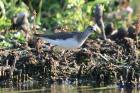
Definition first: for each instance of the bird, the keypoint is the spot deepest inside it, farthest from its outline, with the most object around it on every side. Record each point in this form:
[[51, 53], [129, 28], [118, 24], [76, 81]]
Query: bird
[[68, 40]]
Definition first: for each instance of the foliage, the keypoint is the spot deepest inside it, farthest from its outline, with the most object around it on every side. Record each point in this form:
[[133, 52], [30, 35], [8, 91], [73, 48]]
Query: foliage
[[71, 14], [5, 44], [13, 7], [10, 8], [10, 38], [4, 23], [20, 37]]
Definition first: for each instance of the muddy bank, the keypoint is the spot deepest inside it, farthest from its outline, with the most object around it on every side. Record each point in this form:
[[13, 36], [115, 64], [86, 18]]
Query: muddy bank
[[98, 61]]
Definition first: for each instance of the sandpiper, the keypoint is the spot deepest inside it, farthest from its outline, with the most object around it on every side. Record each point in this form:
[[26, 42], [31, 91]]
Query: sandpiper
[[68, 40]]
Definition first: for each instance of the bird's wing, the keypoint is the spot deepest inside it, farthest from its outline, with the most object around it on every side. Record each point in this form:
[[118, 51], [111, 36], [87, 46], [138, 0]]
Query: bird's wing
[[60, 35]]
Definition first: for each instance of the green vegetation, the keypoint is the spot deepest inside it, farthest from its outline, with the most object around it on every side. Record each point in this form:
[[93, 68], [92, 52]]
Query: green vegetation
[[74, 14], [102, 61], [68, 14]]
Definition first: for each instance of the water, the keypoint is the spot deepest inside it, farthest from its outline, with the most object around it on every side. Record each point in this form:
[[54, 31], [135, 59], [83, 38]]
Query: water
[[65, 88]]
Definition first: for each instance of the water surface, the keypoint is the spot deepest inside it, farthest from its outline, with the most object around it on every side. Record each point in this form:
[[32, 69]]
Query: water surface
[[65, 88]]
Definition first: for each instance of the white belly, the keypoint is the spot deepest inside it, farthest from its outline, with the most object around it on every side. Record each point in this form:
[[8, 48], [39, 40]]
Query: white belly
[[67, 43]]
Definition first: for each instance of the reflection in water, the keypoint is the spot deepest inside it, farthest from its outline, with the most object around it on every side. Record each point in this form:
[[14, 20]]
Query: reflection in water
[[65, 88]]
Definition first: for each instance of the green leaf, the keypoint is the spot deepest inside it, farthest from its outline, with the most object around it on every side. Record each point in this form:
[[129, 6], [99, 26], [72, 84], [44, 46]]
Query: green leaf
[[20, 37], [5, 44]]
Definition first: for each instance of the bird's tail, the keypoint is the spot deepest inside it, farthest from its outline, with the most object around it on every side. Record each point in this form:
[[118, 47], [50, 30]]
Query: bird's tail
[[41, 36]]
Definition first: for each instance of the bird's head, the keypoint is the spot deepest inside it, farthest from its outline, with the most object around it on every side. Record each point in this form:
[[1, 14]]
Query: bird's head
[[92, 28]]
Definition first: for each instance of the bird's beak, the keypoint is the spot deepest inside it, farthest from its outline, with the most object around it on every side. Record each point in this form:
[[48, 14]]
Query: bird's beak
[[96, 28]]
